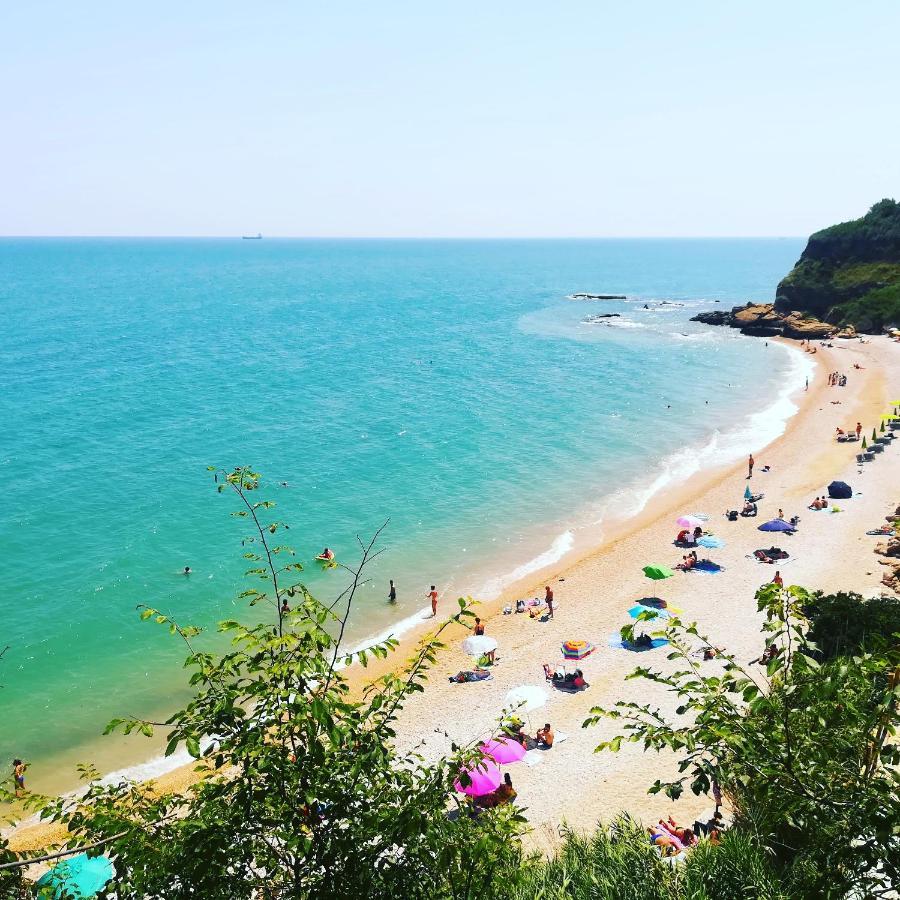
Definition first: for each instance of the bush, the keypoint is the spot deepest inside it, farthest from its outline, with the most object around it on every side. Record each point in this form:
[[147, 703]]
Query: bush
[[845, 624]]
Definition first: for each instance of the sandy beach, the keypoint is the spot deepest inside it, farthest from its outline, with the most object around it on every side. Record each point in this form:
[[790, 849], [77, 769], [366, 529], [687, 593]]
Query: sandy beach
[[572, 784]]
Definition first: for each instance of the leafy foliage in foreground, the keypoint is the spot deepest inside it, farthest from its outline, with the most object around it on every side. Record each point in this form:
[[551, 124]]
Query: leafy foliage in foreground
[[804, 751], [304, 794], [619, 864], [845, 624]]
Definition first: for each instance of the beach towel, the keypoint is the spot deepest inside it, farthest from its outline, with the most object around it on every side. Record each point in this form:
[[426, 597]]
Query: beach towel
[[468, 676], [709, 567]]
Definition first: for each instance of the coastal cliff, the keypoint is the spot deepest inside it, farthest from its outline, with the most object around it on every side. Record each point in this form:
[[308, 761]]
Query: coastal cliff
[[846, 280], [849, 274]]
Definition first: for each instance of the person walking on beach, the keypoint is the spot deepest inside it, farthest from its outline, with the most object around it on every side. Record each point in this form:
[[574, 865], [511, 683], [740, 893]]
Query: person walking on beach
[[778, 580], [392, 593], [19, 776], [750, 466], [858, 430], [432, 596], [548, 599]]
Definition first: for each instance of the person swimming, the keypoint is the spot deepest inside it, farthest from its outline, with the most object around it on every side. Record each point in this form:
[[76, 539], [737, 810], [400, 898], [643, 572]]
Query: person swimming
[[187, 570]]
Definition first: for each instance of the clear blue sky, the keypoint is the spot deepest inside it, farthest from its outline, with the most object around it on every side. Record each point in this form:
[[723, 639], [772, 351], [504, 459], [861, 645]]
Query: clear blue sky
[[424, 118]]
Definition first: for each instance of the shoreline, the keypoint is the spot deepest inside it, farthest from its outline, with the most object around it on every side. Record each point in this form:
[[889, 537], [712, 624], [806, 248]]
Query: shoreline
[[656, 507]]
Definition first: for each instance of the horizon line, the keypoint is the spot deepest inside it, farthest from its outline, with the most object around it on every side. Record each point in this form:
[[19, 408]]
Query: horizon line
[[404, 237]]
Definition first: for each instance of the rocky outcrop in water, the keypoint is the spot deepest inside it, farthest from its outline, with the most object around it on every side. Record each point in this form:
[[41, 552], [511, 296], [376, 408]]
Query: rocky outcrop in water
[[599, 297], [764, 320]]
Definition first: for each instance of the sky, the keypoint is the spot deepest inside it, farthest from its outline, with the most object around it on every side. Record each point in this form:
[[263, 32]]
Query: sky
[[462, 119]]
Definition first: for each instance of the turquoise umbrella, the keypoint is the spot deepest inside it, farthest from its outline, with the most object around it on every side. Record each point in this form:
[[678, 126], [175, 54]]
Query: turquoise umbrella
[[78, 877], [637, 609], [711, 542], [747, 494]]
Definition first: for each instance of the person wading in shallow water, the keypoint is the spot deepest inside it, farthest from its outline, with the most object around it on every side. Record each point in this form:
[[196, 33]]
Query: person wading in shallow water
[[432, 596], [392, 593]]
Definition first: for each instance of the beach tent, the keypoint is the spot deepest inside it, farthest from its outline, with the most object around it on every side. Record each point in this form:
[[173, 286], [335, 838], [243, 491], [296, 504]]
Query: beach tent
[[777, 525], [478, 780], [503, 750], [840, 490], [77, 877], [577, 649]]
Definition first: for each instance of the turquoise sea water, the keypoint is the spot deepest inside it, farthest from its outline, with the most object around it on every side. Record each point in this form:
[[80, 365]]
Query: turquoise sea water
[[449, 386]]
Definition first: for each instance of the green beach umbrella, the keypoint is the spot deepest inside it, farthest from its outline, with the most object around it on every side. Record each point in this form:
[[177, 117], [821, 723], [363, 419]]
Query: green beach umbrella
[[882, 427], [874, 435], [864, 444], [657, 573]]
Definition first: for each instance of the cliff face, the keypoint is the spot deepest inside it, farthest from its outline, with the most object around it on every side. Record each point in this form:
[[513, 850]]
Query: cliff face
[[849, 274]]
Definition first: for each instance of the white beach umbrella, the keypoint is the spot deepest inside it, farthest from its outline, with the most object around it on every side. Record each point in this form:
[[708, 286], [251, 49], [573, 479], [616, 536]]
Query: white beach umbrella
[[526, 698], [479, 644]]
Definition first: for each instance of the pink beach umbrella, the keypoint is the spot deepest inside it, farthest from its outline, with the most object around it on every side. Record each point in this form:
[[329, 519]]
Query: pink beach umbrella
[[503, 750], [688, 522], [483, 777]]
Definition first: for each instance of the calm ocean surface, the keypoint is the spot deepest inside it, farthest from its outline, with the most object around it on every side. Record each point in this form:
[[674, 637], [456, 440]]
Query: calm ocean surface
[[449, 386]]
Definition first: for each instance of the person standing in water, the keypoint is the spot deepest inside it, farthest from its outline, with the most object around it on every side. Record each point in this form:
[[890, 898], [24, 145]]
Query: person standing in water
[[19, 768], [432, 596], [392, 593], [750, 466]]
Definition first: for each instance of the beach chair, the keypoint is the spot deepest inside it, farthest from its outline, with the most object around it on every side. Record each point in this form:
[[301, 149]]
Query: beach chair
[[860, 458], [877, 448], [868, 456]]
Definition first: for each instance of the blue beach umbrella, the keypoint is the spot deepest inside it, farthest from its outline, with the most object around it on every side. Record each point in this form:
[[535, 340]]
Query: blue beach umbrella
[[777, 525], [78, 877], [637, 609], [747, 494], [711, 542]]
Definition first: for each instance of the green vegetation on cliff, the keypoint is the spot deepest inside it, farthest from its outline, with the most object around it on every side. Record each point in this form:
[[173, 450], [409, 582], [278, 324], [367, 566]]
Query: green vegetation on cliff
[[849, 274]]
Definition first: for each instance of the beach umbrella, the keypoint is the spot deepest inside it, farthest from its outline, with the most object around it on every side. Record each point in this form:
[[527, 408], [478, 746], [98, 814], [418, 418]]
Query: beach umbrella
[[840, 490], [479, 644], [637, 609], [777, 525], [711, 542], [525, 698], [747, 492], [577, 649], [503, 750], [688, 521], [77, 877], [483, 777], [657, 573], [864, 444], [874, 435]]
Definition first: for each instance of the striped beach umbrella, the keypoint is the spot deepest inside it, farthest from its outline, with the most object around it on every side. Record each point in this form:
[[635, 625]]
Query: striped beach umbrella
[[577, 649]]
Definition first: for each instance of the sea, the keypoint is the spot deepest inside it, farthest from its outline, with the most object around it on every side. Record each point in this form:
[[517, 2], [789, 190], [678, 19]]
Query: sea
[[450, 391]]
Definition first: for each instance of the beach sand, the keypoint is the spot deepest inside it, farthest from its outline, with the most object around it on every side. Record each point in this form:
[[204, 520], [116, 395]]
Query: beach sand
[[572, 785]]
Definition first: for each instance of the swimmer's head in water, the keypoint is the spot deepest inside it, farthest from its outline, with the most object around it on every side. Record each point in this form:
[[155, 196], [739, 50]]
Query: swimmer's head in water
[[187, 570]]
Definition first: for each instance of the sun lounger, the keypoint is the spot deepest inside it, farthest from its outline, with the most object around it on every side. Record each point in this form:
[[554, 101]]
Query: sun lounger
[[877, 448], [860, 458], [868, 456]]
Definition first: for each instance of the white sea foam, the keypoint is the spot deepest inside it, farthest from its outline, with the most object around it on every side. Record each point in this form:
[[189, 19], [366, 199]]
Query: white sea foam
[[561, 545]]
